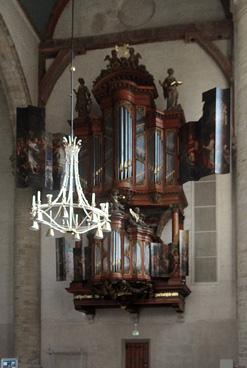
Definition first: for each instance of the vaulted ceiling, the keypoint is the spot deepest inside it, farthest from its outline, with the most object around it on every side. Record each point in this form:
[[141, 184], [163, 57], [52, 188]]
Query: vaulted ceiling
[[98, 16], [38, 12]]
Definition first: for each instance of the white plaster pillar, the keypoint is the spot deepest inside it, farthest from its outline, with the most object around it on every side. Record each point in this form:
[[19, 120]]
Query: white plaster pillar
[[27, 284], [240, 74]]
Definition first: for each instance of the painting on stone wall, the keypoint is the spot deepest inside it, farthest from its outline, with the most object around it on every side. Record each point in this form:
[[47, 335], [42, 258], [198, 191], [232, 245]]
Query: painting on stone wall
[[78, 261], [40, 156], [49, 163], [223, 133], [159, 260], [30, 147], [86, 258], [72, 260], [82, 259], [184, 252], [60, 259], [174, 259], [69, 257], [58, 160], [205, 144]]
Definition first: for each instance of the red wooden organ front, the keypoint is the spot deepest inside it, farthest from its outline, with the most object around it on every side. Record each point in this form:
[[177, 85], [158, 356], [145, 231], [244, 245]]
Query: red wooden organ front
[[130, 157]]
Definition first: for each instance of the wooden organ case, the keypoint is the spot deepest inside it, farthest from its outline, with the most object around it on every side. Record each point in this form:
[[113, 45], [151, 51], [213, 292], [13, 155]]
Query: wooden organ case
[[130, 158]]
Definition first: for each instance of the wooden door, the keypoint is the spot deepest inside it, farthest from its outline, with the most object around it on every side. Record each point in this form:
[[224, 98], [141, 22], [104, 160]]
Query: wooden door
[[136, 355]]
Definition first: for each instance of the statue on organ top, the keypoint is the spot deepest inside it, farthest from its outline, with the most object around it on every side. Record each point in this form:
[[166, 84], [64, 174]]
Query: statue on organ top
[[114, 61], [83, 100], [170, 91], [133, 58]]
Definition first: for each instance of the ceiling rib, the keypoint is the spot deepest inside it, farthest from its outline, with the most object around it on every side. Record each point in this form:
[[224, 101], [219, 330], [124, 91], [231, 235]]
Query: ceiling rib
[[226, 7], [213, 30], [54, 17]]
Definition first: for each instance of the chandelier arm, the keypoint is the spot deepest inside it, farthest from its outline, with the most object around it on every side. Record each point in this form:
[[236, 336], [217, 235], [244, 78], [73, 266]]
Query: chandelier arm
[[75, 205], [82, 201], [87, 213], [52, 223], [63, 187], [82, 222], [58, 212], [85, 218], [70, 181], [48, 209], [65, 181], [70, 195], [66, 176], [54, 227], [99, 212], [87, 228], [81, 195]]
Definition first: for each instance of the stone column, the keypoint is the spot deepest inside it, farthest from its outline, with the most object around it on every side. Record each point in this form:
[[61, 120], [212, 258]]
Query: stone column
[[240, 75], [27, 284]]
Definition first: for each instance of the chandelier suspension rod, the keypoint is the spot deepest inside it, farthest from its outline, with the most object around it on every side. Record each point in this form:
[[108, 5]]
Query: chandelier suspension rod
[[72, 69], [71, 192]]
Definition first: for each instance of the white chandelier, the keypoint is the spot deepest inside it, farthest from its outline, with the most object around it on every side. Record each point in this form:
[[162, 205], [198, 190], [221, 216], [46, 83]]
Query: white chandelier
[[70, 212], [63, 213]]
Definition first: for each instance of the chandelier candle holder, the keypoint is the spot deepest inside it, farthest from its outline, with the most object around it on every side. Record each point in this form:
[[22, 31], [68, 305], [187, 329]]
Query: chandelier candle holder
[[70, 212]]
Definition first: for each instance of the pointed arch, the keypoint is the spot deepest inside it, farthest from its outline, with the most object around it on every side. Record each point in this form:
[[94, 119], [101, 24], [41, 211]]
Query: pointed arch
[[54, 17], [11, 73]]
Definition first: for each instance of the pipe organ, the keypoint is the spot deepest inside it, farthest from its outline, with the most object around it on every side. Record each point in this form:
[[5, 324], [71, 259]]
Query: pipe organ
[[130, 157]]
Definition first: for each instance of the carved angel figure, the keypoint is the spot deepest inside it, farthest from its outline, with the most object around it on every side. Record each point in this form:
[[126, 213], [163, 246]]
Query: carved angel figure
[[133, 58], [137, 216], [116, 205], [114, 61]]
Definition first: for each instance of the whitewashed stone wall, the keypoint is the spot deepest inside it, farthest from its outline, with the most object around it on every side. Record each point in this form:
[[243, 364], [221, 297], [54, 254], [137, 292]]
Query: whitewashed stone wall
[[20, 258], [240, 14], [26, 43], [27, 284], [208, 332], [6, 230]]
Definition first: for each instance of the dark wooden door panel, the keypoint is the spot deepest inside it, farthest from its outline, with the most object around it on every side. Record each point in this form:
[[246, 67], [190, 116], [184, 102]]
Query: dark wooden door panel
[[136, 355]]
